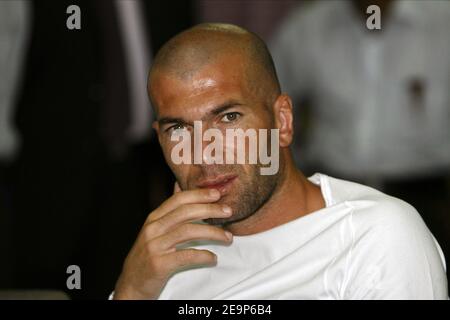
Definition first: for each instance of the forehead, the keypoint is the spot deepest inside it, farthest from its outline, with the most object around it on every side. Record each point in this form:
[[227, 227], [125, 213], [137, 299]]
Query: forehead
[[192, 95]]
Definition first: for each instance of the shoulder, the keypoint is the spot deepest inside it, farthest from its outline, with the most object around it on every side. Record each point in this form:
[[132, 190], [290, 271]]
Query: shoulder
[[393, 254], [377, 212], [381, 213]]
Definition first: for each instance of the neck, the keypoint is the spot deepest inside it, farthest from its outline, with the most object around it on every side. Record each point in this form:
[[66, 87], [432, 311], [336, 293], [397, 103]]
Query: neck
[[294, 197]]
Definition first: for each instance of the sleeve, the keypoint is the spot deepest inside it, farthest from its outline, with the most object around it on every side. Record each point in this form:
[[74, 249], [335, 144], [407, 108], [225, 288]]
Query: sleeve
[[394, 256]]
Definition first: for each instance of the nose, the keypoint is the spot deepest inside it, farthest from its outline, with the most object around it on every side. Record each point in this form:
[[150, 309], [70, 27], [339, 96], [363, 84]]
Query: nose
[[213, 143], [208, 144]]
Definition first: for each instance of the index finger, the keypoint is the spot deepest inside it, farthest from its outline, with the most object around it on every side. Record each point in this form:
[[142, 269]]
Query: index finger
[[184, 197]]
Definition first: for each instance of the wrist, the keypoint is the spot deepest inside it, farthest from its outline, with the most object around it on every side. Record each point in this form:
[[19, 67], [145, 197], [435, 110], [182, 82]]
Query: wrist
[[124, 292]]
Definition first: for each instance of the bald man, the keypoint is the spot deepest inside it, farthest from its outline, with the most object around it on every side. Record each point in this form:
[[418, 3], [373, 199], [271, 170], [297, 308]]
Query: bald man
[[230, 232]]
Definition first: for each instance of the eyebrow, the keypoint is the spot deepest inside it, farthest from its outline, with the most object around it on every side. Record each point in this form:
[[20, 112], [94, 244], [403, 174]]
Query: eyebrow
[[168, 120], [223, 107], [215, 111]]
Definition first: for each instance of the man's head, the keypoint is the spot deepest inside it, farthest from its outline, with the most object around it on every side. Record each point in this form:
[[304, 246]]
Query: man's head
[[224, 76]]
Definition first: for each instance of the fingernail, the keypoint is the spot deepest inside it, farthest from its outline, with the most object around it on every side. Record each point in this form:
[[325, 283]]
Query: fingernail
[[214, 193], [226, 209]]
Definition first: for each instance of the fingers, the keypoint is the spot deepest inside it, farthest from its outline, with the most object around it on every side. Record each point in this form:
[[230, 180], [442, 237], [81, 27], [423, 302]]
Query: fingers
[[189, 213], [187, 258], [190, 232], [185, 197], [154, 255]]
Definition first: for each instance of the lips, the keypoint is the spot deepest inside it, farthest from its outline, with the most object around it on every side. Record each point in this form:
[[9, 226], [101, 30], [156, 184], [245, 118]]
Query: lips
[[222, 183]]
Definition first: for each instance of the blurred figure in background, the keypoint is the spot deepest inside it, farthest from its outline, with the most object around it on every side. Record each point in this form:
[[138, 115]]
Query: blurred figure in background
[[255, 15], [14, 30], [89, 170], [374, 105]]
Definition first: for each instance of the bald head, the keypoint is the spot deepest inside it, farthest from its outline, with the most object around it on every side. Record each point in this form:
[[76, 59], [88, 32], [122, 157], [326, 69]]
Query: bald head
[[188, 52]]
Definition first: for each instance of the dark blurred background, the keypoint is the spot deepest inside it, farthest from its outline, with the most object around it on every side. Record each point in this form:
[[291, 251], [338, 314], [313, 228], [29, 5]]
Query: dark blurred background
[[80, 167]]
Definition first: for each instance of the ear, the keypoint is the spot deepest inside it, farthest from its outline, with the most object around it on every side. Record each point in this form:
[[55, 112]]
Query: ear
[[283, 119]]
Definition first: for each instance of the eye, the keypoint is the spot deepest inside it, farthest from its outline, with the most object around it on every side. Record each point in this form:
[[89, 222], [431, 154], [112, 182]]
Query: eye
[[230, 117], [176, 127]]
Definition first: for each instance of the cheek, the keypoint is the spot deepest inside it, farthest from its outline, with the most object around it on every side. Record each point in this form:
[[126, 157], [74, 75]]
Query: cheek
[[166, 148], [177, 169], [182, 173]]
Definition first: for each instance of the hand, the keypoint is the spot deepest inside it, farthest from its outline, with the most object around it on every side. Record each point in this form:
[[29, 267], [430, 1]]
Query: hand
[[154, 257]]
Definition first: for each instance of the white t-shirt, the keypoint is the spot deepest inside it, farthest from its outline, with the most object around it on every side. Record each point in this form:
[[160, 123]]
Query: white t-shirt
[[362, 245]]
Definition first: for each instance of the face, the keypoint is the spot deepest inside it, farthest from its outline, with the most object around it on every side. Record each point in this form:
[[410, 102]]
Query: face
[[218, 96]]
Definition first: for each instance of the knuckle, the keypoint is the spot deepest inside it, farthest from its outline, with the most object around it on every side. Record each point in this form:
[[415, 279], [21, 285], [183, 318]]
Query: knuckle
[[152, 215], [148, 231], [151, 248], [155, 225]]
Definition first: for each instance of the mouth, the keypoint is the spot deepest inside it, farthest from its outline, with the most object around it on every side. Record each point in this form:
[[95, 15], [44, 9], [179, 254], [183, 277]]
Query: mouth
[[221, 183]]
